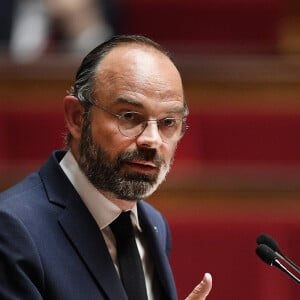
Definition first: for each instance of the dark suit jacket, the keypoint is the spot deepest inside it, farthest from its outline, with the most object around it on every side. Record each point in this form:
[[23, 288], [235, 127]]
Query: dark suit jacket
[[51, 247]]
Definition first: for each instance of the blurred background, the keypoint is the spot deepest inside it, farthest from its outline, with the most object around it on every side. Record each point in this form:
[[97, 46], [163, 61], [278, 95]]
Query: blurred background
[[237, 171]]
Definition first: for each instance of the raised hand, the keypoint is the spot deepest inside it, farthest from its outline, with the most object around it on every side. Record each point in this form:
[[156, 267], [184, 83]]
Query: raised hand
[[201, 291]]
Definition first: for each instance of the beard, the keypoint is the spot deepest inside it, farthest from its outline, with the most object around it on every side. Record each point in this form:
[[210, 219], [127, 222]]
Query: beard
[[106, 174]]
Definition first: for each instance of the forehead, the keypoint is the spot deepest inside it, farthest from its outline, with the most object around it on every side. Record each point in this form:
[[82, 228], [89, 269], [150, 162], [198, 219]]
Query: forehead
[[140, 72]]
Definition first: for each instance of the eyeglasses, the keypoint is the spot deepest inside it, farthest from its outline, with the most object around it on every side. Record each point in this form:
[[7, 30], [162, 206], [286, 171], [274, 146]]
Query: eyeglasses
[[132, 124]]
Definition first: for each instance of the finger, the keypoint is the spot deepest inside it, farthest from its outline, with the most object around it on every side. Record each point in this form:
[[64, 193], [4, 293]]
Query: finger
[[202, 290]]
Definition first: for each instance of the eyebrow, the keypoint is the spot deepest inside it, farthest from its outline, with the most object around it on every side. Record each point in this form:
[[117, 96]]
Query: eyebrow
[[127, 100], [177, 110], [130, 101]]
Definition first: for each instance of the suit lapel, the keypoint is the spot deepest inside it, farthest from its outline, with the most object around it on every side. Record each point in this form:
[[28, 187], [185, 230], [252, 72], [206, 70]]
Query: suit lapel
[[82, 231], [152, 228], [89, 243]]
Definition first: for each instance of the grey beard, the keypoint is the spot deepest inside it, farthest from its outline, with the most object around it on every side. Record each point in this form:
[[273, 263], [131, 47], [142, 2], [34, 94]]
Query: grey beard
[[105, 174]]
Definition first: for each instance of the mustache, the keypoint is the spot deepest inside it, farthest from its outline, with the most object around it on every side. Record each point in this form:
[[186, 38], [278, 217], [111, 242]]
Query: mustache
[[141, 154]]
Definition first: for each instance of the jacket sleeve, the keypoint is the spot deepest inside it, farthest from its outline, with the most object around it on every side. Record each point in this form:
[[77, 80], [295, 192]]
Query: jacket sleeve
[[21, 275]]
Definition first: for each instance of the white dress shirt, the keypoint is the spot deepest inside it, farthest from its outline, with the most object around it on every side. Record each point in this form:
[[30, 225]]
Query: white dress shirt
[[105, 212]]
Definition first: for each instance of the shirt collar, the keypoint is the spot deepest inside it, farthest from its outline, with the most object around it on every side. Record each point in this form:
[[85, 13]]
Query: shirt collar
[[103, 210]]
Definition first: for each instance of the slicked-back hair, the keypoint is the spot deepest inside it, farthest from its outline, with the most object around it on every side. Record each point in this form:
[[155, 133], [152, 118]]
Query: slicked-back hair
[[84, 86]]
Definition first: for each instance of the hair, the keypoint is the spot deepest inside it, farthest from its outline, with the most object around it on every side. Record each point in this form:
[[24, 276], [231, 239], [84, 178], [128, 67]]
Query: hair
[[84, 86]]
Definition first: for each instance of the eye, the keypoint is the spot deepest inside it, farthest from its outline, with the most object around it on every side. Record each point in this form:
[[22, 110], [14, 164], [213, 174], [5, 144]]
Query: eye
[[132, 117], [129, 115], [169, 122]]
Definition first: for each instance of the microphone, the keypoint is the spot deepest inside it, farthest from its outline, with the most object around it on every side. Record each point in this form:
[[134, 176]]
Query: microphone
[[269, 257], [269, 241]]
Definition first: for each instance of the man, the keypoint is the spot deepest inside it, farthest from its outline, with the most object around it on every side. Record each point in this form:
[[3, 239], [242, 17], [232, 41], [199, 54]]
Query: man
[[125, 115]]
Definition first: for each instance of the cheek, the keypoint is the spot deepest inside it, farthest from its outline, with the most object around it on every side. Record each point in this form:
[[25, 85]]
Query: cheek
[[168, 154], [172, 151], [109, 138]]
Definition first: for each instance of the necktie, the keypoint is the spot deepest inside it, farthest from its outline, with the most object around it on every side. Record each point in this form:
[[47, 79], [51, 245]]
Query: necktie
[[130, 265]]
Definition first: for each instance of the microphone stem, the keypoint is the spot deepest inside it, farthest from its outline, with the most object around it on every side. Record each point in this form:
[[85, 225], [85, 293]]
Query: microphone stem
[[288, 261], [291, 264], [277, 264]]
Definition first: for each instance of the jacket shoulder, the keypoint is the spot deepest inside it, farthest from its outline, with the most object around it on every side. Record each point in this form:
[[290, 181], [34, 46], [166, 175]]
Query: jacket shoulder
[[29, 186]]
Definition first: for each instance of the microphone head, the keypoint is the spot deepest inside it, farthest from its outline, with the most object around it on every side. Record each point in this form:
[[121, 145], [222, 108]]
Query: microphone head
[[269, 241], [266, 254]]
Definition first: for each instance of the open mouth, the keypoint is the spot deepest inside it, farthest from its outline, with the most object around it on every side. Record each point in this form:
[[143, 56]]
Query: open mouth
[[142, 166]]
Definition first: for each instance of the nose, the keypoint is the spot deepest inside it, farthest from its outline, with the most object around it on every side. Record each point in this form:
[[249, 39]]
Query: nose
[[150, 137]]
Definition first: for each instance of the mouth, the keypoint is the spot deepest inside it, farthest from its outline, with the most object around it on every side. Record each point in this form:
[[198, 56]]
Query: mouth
[[142, 166]]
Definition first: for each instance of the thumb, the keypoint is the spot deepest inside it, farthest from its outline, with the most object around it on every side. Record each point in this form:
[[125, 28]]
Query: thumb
[[202, 290]]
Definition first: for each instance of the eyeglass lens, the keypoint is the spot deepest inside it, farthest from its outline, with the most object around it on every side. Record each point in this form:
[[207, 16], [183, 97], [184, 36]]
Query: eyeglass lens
[[132, 124]]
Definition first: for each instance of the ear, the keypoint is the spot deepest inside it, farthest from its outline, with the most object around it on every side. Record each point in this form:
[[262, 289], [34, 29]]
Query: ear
[[73, 115]]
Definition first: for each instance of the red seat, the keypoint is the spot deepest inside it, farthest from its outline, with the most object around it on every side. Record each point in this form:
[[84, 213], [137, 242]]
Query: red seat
[[248, 25]]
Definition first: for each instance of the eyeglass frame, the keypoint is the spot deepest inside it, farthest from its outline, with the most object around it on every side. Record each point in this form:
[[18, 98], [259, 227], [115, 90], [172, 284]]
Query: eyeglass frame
[[118, 116]]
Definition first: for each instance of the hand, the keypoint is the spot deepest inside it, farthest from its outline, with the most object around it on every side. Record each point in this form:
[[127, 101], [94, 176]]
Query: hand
[[202, 290]]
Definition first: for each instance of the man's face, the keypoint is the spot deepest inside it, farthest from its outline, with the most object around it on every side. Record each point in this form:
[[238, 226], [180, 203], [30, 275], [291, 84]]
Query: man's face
[[110, 174], [136, 79]]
